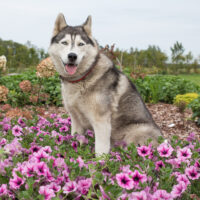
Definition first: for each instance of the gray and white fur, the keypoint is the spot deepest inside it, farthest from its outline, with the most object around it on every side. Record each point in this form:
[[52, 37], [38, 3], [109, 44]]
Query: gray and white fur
[[105, 101]]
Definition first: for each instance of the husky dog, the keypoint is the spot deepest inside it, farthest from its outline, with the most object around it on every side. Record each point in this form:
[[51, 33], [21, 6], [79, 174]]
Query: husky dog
[[95, 93]]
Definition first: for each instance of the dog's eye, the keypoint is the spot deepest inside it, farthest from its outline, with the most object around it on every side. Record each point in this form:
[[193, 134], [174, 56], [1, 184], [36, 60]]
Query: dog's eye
[[81, 44], [65, 43]]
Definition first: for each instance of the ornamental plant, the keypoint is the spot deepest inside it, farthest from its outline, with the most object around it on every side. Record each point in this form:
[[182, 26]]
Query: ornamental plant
[[39, 159], [3, 93], [45, 68], [182, 101], [195, 106]]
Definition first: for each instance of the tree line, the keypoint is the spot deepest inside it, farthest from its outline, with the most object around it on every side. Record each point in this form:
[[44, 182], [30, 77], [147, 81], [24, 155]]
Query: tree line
[[20, 56]]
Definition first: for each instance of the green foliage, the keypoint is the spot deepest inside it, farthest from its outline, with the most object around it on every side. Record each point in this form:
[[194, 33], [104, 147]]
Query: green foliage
[[195, 106], [156, 88], [160, 88], [20, 56], [17, 97]]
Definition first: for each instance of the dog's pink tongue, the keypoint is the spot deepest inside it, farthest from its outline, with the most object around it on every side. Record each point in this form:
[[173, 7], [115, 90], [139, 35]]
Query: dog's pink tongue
[[71, 69]]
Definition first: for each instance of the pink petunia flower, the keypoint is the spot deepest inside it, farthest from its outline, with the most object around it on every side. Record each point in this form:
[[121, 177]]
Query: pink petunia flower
[[192, 173], [70, 187], [40, 154], [144, 150], [46, 192], [197, 164], [84, 185], [17, 131], [63, 129], [178, 189], [75, 145], [161, 195], [16, 182], [184, 153], [138, 195], [55, 187], [183, 178], [41, 168], [3, 190], [137, 177], [165, 150], [3, 142], [124, 181], [21, 122], [29, 169], [159, 165]]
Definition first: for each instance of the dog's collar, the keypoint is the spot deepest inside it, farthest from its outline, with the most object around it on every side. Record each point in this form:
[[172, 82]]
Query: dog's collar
[[85, 74]]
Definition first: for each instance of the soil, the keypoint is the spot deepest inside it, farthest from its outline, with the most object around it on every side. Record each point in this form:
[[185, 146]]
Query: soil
[[167, 117]]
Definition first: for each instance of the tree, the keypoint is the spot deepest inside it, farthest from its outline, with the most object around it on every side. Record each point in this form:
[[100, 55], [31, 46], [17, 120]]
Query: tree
[[177, 53]]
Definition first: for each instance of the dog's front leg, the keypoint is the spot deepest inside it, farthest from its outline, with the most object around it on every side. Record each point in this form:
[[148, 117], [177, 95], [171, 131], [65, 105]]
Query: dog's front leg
[[76, 127], [102, 131]]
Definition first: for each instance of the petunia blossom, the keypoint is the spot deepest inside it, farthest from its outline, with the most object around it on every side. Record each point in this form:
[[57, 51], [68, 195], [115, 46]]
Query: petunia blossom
[[144, 151], [137, 177], [124, 181], [165, 150], [70, 186], [192, 172], [178, 189], [3, 190], [138, 195], [46, 192], [17, 130], [161, 195], [16, 182], [184, 153]]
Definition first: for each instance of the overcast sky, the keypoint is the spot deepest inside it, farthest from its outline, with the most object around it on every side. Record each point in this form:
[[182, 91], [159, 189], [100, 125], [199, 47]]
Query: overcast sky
[[127, 23]]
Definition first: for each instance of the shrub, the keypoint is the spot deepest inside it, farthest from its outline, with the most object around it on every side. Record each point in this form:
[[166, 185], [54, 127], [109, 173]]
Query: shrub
[[195, 106], [164, 88], [181, 101], [152, 88], [39, 159], [24, 89]]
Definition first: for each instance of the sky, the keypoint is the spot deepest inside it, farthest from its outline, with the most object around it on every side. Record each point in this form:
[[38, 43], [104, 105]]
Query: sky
[[125, 23]]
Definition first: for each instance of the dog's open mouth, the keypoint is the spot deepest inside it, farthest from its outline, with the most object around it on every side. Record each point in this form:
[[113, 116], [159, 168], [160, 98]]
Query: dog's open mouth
[[71, 68]]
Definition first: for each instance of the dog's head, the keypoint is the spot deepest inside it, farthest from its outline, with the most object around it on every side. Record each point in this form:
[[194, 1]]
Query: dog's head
[[72, 48]]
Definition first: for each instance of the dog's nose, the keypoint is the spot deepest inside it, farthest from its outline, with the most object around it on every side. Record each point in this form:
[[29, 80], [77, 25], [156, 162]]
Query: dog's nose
[[72, 57]]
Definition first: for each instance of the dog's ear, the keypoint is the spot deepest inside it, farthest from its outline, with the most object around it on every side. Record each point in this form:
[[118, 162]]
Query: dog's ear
[[87, 25], [59, 24]]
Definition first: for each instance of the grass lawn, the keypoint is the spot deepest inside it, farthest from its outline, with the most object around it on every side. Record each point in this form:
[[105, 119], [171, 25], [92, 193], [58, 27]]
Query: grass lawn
[[192, 77]]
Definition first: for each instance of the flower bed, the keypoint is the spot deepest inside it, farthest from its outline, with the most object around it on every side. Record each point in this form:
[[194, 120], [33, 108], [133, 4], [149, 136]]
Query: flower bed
[[39, 159]]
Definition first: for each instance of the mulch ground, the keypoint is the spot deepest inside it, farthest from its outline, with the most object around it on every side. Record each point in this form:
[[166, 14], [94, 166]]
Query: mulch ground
[[167, 117]]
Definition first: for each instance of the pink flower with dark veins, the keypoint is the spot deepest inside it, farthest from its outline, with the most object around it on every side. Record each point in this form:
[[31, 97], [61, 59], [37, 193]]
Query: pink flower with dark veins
[[137, 177], [55, 187], [41, 168], [159, 165], [161, 195], [184, 153], [178, 189], [17, 131], [183, 178], [165, 150], [138, 195], [84, 185], [70, 187], [124, 181], [192, 172], [16, 182], [46, 192], [144, 150], [3, 190]]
